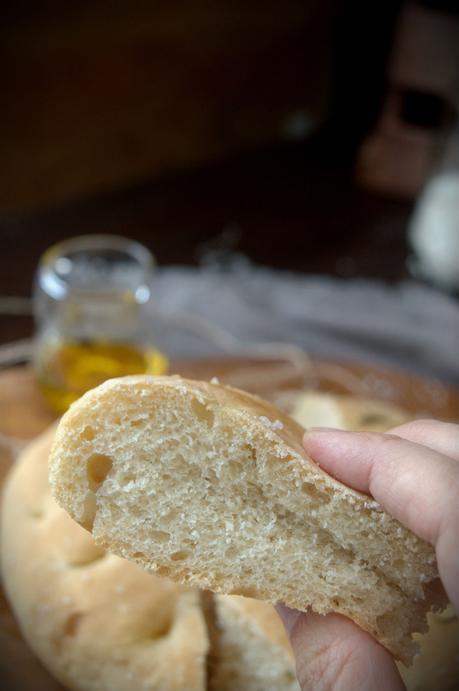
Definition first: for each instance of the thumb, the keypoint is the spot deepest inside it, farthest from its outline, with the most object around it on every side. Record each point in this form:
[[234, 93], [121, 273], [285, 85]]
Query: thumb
[[334, 654]]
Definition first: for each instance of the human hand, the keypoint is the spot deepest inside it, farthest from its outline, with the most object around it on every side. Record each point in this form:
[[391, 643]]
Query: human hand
[[413, 472]]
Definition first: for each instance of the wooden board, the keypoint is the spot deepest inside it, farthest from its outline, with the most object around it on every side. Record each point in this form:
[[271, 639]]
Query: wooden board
[[23, 415]]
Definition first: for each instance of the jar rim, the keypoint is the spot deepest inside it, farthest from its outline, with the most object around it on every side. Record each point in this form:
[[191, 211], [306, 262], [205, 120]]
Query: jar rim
[[55, 284]]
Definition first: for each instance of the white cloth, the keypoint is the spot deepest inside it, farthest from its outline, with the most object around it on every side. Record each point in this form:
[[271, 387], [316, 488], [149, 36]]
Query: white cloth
[[410, 326]]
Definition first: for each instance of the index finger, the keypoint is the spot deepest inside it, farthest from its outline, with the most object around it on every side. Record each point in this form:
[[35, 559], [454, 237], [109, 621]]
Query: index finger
[[414, 483]]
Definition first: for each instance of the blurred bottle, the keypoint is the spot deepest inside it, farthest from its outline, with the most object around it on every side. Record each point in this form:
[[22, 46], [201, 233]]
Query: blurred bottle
[[91, 294], [434, 227]]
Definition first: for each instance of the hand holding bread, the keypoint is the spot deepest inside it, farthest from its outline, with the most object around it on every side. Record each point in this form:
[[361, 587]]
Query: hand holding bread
[[212, 487], [414, 473]]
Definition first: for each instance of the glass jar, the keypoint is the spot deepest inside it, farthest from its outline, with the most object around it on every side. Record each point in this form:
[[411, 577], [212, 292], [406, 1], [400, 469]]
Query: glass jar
[[91, 294]]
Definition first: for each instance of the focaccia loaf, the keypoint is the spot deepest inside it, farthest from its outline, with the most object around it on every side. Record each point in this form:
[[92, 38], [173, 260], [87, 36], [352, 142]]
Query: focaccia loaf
[[97, 622], [253, 650], [317, 408], [211, 487]]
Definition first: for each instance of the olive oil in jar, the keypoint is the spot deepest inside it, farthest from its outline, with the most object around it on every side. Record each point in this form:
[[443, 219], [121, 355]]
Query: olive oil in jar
[[65, 371], [91, 297]]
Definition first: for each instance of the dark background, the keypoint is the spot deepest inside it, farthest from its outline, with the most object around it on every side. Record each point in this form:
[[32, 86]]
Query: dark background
[[198, 126]]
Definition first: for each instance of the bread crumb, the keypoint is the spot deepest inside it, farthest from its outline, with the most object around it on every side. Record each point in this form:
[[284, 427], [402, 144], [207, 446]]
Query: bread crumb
[[272, 424], [215, 380]]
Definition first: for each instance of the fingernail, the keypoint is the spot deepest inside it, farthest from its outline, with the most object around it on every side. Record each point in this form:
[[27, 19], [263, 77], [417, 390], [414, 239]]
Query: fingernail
[[324, 430], [311, 432]]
